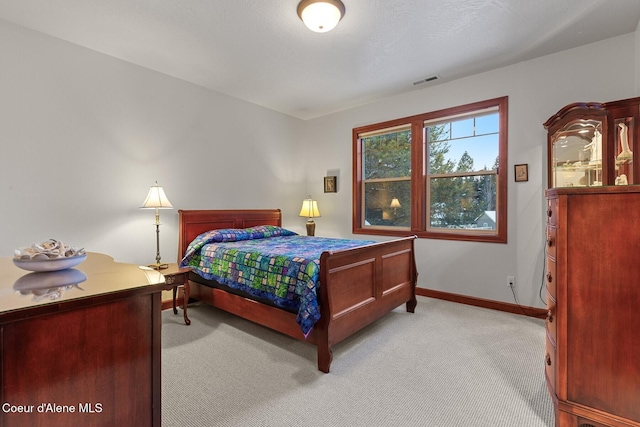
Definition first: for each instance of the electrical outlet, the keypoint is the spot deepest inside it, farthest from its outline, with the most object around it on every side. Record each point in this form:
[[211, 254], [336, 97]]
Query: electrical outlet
[[511, 281]]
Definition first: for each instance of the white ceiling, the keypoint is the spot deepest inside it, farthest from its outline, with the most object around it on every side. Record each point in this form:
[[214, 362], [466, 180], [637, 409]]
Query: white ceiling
[[260, 51]]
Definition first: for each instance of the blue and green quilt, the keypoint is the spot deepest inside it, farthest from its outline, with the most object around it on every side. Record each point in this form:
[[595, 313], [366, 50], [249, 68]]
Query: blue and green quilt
[[267, 262]]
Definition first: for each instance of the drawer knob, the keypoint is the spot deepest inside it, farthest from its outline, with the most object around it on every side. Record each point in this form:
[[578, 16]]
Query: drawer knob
[[547, 359], [169, 280], [549, 316], [549, 278]]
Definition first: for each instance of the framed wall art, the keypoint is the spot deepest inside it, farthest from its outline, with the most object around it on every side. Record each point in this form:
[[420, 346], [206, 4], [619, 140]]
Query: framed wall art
[[330, 184], [521, 172]]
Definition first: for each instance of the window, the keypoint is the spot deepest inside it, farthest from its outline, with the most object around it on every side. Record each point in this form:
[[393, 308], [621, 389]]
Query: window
[[436, 175]]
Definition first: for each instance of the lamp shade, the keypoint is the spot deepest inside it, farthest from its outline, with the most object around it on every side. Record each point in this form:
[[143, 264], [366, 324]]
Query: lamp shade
[[156, 199], [309, 208], [321, 15], [395, 203]]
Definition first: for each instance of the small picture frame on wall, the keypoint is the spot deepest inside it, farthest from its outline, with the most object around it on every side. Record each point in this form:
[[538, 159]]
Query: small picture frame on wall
[[330, 184], [521, 172]]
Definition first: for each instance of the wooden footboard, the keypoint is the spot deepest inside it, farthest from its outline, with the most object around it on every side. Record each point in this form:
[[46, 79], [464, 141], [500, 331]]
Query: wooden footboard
[[357, 286]]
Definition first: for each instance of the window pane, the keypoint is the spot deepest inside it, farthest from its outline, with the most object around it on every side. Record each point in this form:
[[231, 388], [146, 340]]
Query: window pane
[[488, 123], [387, 155], [463, 145], [463, 202], [387, 203], [462, 128]]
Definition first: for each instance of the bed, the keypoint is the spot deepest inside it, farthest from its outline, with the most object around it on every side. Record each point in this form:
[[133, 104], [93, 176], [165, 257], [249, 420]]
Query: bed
[[357, 286]]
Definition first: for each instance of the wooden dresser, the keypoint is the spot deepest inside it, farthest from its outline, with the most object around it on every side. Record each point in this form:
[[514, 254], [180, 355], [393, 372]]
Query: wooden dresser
[[592, 358], [80, 347]]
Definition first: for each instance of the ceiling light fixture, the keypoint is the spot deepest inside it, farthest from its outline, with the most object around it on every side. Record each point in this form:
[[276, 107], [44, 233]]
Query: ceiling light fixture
[[321, 15]]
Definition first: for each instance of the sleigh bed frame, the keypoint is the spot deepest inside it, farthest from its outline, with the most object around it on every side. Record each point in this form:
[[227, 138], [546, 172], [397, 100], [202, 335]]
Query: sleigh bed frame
[[357, 286]]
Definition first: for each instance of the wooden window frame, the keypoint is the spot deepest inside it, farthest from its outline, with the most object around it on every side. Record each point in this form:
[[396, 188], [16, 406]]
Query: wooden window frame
[[419, 177]]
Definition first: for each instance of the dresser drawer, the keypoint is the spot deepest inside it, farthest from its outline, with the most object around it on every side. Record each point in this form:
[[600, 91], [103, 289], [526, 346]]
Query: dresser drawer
[[551, 242], [550, 278], [552, 321], [552, 212], [550, 363]]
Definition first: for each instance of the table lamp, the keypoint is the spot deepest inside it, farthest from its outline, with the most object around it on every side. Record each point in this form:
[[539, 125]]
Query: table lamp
[[395, 204], [156, 199], [310, 210]]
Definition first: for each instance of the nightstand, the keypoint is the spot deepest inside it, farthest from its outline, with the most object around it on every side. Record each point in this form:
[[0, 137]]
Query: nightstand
[[175, 277]]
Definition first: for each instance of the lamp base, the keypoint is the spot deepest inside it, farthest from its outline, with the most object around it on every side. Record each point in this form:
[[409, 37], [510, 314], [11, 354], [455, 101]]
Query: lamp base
[[311, 228], [158, 266]]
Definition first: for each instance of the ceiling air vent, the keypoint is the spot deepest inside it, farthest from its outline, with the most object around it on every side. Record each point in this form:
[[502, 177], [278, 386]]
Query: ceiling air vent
[[428, 79]]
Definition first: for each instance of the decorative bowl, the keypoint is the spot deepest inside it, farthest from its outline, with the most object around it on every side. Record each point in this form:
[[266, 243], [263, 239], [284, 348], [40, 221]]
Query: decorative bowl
[[52, 264]]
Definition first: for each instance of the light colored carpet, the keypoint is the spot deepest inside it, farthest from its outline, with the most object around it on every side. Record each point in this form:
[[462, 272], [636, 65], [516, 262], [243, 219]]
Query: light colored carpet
[[445, 365]]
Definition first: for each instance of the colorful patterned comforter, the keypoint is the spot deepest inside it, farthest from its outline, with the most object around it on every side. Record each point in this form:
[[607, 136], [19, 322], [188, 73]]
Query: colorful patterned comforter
[[267, 262]]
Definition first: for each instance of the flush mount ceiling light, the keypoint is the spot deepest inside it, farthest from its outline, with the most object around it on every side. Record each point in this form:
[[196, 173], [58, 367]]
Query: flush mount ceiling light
[[321, 15]]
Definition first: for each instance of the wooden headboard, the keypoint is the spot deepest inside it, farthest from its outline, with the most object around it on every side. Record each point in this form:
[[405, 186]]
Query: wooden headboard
[[195, 222]]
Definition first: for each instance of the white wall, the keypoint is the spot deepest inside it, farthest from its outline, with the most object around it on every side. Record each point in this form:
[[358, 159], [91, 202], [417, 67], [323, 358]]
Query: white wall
[[637, 56], [84, 135], [603, 71]]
